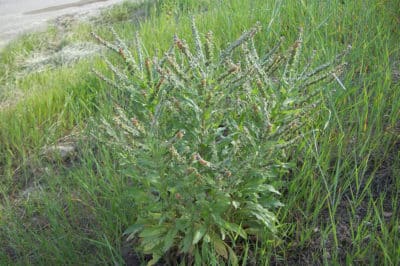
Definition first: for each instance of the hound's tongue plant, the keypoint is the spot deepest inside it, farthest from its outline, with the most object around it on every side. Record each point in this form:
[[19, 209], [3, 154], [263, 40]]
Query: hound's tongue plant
[[202, 134]]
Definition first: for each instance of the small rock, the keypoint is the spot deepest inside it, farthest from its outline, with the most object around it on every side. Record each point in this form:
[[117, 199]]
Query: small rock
[[63, 152], [387, 214]]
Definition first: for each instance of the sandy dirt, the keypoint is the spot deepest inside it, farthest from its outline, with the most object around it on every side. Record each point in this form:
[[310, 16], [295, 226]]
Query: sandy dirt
[[20, 16]]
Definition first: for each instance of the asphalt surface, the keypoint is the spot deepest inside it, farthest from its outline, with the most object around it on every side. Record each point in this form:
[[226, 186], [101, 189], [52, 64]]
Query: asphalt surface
[[19, 16]]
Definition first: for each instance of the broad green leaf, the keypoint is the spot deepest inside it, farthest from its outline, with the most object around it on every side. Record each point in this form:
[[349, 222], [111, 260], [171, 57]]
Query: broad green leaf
[[235, 204], [220, 248], [153, 231], [169, 239], [271, 189], [217, 219], [271, 203], [155, 259], [207, 238], [187, 241], [197, 257], [233, 259], [150, 245], [132, 230], [236, 229], [205, 249]]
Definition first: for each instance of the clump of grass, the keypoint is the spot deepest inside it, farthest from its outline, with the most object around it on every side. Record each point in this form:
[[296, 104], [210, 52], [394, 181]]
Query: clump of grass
[[202, 134], [127, 11]]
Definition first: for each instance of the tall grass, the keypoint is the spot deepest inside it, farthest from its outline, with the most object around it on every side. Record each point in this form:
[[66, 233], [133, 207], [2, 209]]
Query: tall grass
[[341, 200]]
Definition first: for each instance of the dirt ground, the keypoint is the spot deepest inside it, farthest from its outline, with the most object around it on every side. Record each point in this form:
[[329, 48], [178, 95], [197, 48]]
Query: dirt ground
[[20, 16]]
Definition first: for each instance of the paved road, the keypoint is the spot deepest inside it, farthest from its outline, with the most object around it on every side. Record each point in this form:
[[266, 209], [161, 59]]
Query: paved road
[[18, 16]]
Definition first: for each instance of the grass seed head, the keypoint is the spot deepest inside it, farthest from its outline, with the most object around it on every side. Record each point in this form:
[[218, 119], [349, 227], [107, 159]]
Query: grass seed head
[[180, 134]]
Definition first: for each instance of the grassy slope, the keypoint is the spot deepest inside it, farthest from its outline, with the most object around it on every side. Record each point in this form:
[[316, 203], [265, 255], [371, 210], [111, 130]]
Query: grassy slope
[[337, 203]]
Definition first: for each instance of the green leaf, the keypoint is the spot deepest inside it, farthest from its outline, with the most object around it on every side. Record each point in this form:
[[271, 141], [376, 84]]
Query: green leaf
[[198, 235], [187, 241], [220, 248], [150, 245], [197, 257], [169, 239], [271, 189], [233, 259], [153, 232], [236, 229], [132, 230], [235, 204], [272, 203], [155, 259]]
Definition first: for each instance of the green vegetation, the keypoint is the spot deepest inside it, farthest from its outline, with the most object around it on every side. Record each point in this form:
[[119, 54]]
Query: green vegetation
[[339, 183]]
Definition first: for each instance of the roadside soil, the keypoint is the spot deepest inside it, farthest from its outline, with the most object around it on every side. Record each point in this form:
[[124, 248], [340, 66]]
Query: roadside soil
[[21, 16]]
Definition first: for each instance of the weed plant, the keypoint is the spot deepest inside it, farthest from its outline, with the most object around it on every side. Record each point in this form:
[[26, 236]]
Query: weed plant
[[204, 134]]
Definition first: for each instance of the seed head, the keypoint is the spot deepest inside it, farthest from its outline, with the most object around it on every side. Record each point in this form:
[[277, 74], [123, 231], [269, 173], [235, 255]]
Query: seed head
[[122, 53], [180, 134], [228, 173], [203, 162], [178, 196], [135, 122]]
